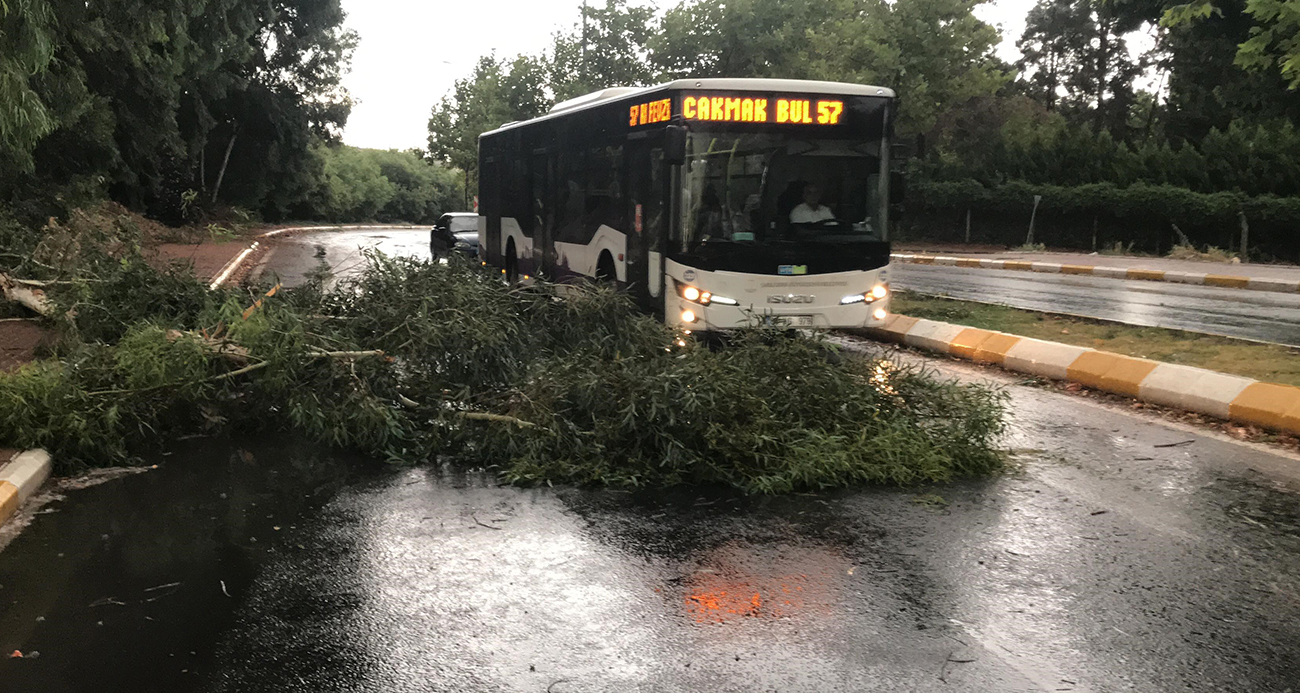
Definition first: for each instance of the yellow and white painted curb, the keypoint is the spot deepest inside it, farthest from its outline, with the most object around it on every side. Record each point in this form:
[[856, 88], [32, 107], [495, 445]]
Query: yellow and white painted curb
[[1220, 280], [1217, 394], [20, 478], [230, 267]]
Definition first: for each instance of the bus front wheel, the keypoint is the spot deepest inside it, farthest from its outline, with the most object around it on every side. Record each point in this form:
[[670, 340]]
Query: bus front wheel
[[605, 270], [512, 263]]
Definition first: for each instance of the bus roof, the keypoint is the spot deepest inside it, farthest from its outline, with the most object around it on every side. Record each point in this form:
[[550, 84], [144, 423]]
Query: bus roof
[[796, 86]]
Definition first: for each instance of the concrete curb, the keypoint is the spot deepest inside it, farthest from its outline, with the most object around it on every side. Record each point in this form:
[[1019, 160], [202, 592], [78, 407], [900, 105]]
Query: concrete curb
[[1220, 280], [231, 267], [1199, 390], [20, 478]]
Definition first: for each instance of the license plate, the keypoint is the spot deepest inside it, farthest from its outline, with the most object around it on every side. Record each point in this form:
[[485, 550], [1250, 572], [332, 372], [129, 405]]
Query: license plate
[[789, 320]]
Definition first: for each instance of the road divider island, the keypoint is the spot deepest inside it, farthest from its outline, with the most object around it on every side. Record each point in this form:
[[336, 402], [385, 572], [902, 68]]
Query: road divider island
[[1221, 395], [1156, 275]]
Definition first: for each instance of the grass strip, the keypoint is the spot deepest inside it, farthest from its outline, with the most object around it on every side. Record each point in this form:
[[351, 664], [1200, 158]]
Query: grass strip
[[1267, 362]]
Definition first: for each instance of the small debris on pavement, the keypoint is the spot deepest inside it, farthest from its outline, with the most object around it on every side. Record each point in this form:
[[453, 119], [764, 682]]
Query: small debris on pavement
[[16, 655], [1174, 445]]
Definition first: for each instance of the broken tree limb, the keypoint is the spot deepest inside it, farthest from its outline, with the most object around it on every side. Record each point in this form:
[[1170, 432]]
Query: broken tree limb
[[499, 418], [33, 299], [347, 354]]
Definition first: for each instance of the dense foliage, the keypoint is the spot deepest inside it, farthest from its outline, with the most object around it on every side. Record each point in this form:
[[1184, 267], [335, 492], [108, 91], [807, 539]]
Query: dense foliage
[[182, 109], [417, 361], [384, 186]]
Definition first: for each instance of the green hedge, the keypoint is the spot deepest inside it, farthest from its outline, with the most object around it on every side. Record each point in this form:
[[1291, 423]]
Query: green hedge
[[1141, 214]]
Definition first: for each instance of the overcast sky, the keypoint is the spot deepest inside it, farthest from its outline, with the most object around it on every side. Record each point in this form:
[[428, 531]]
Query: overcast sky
[[411, 53]]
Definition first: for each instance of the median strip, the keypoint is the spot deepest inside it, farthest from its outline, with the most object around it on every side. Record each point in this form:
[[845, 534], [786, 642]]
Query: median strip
[[1222, 395], [1219, 280], [20, 478]]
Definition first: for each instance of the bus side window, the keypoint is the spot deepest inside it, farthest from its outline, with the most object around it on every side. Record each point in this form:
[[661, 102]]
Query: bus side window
[[572, 197], [653, 207], [604, 204], [537, 184]]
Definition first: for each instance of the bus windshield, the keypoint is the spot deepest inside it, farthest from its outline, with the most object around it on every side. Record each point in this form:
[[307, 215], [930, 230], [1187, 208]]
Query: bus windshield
[[772, 188]]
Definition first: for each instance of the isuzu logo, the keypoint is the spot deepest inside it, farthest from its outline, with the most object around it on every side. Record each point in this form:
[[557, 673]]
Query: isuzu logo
[[790, 298]]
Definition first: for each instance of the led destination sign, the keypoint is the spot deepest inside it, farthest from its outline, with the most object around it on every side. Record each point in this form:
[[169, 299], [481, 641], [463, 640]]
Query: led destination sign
[[755, 110], [742, 109], [653, 112]]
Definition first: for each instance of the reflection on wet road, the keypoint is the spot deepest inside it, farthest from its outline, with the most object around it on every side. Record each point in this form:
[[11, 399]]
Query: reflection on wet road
[[1260, 315], [294, 258], [1102, 563]]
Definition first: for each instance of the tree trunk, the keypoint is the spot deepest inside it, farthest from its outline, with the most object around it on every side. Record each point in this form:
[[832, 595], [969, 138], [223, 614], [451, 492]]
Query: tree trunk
[[1103, 36], [968, 226], [221, 175], [1245, 237]]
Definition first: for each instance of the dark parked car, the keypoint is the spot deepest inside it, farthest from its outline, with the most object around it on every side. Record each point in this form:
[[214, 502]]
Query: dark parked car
[[455, 231]]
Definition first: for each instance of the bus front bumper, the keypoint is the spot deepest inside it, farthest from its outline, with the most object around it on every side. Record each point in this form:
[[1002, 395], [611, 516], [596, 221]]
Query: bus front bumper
[[705, 318]]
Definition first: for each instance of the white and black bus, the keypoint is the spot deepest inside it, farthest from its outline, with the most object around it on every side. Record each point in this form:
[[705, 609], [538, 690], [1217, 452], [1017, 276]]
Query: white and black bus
[[714, 201]]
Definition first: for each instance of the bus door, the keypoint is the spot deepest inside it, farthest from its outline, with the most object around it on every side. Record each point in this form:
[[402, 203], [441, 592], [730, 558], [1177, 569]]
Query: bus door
[[542, 215], [489, 190], [648, 190]]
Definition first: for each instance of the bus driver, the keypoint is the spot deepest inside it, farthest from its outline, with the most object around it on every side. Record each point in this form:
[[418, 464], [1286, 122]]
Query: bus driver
[[811, 211]]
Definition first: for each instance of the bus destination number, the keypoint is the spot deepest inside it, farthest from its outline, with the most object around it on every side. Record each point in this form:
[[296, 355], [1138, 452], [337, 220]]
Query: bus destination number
[[653, 112], [749, 110]]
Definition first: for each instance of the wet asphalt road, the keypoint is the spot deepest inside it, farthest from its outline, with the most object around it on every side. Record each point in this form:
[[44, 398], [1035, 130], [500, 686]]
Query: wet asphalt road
[[1122, 554], [1258, 315], [292, 259]]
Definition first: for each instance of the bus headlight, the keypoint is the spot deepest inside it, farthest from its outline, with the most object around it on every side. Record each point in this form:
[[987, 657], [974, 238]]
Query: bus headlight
[[880, 314], [877, 292], [705, 298], [688, 316]]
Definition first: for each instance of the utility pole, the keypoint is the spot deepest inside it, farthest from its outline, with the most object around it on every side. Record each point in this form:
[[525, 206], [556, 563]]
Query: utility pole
[[582, 68]]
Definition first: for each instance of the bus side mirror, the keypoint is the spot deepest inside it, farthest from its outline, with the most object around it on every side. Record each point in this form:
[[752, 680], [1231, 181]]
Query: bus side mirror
[[675, 144], [897, 188]]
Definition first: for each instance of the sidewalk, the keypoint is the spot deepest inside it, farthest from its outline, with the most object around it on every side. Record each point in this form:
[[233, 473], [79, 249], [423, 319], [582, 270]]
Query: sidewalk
[[19, 342], [207, 259], [1288, 273]]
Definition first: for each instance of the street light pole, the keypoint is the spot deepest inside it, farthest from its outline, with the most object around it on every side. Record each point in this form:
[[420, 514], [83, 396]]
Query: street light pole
[[582, 68]]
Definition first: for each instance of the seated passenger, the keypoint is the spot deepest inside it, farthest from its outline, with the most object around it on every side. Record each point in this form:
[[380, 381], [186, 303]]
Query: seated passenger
[[811, 211]]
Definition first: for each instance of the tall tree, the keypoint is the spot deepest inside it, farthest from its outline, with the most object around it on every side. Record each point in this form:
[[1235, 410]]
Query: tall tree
[[743, 38], [496, 92], [1208, 87], [1051, 47], [607, 49], [935, 53], [26, 49], [1274, 40], [1077, 59], [145, 97]]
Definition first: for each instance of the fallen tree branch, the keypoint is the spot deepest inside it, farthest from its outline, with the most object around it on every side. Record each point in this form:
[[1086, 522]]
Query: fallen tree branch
[[499, 418], [347, 354], [236, 372], [32, 299]]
